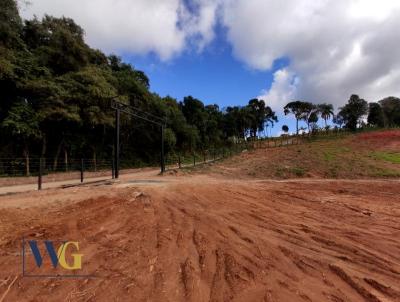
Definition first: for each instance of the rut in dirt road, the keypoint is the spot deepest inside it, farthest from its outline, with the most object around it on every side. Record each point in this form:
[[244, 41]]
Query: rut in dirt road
[[222, 241]]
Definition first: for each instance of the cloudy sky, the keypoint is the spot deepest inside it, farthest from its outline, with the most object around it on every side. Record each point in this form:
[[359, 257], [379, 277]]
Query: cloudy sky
[[227, 52]]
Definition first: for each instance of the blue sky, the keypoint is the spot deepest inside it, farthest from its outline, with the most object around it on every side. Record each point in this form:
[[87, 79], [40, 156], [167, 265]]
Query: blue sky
[[214, 76]]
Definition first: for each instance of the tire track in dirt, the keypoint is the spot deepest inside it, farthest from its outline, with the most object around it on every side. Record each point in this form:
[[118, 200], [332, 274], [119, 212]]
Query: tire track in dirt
[[210, 240]]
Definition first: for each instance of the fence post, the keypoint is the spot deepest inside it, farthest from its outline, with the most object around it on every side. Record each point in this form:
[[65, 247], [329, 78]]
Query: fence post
[[194, 159], [112, 169], [66, 161], [40, 174], [27, 170], [204, 157], [82, 167], [179, 161], [116, 142]]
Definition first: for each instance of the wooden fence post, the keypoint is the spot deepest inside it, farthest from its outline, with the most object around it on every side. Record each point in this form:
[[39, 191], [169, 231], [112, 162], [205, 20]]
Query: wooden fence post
[[40, 174], [82, 167]]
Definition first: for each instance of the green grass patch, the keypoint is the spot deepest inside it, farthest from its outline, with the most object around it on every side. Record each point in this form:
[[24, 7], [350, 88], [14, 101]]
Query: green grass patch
[[391, 157], [286, 172], [329, 156], [298, 171]]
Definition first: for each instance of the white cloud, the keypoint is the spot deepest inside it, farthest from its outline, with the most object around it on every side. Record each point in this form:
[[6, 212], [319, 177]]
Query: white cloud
[[164, 27], [284, 87], [335, 47], [200, 25]]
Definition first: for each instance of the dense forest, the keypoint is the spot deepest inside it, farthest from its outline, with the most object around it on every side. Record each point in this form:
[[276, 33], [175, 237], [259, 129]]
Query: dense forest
[[55, 95]]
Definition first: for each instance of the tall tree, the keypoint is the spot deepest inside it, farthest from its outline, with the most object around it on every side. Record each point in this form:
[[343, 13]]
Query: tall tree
[[256, 109], [354, 111], [375, 115], [22, 124], [58, 43], [195, 114], [10, 25], [89, 92], [296, 109], [260, 115], [326, 111], [391, 110], [301, 110], [309, 113], [312, 121]]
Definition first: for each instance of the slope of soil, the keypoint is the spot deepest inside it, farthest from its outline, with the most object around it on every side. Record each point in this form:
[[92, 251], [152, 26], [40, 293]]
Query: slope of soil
[[204, 239], [367, 155]]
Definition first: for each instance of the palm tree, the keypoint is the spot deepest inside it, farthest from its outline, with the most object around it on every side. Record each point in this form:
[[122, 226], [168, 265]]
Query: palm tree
[[326, 111], [295, 108]]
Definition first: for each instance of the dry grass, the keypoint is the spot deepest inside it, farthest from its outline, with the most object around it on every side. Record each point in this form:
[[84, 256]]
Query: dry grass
[[374, 155]]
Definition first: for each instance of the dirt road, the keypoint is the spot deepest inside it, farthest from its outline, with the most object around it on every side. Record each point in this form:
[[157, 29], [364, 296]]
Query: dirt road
[[198, 238]]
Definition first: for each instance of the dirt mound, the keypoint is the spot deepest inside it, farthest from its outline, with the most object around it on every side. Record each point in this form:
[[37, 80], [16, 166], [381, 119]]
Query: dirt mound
[[211, 240]]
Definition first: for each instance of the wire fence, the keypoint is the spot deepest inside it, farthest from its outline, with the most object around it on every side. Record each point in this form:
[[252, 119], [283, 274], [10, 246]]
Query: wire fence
[[14, 167], [24, 171], [178, 161], [17, 171], [288, 140], [40, 171], [278, 142]]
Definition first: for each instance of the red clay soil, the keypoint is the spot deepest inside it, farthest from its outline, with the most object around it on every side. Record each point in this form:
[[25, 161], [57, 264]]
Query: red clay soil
[[393, 134], [202, 239], [388, 140]]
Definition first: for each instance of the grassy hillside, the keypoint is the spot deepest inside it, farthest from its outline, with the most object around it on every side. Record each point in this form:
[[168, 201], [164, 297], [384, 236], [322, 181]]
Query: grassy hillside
[[366, 155]]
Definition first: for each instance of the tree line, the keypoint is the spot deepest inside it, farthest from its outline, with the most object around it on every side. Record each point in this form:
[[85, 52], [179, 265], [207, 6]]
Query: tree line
[[55, 94], [356, 113]]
